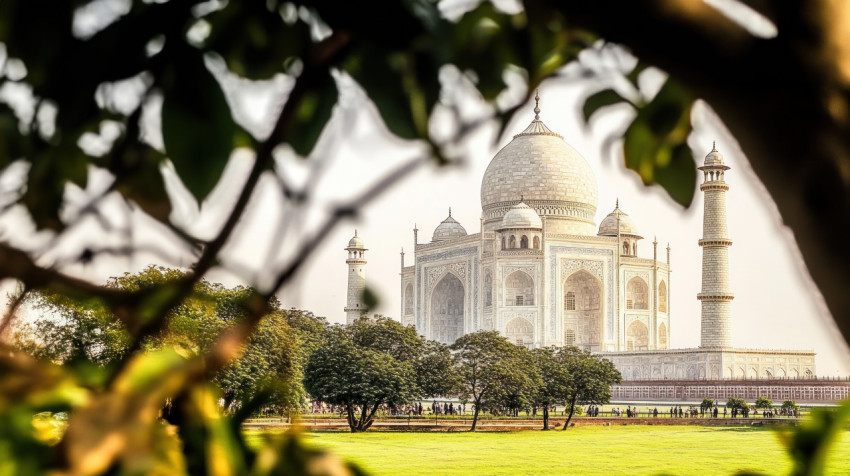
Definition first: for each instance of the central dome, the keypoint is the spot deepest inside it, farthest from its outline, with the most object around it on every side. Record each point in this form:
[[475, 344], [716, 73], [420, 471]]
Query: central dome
[[549, 175]]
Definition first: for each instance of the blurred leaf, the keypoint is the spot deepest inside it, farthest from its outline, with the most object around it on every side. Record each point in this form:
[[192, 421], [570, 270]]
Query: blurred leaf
[[484, 40], [369, 299], [655, 143], [197, 127], [599, 100], [254, 40], [145, 185], [121, 425], [403, 85], [286, 455], [809, 442], [11, 142], [52, 168], [313, 114]]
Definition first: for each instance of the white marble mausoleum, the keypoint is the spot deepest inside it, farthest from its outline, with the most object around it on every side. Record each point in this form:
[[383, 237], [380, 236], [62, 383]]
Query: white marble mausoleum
[[542, 273]]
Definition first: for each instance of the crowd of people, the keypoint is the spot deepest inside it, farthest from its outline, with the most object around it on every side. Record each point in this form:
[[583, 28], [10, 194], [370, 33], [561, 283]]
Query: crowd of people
[[449, 408]]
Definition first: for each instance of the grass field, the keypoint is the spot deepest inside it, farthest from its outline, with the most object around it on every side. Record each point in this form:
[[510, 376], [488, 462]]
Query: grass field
[[632, 450]]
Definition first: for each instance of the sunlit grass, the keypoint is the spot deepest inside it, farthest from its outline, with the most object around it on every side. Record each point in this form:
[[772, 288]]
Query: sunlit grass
[[632, 450]]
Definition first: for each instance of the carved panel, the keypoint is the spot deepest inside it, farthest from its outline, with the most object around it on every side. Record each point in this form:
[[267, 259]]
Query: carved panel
[[570, 266], [437, 272]]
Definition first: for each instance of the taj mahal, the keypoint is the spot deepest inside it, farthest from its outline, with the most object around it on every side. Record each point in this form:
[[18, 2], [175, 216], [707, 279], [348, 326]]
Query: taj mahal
[[542, 273]]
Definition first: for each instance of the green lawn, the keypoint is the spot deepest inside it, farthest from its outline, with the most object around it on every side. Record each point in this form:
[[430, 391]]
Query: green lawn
[[631, 450]]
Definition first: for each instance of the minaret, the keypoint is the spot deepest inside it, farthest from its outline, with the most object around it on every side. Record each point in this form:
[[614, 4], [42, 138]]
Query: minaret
[[356, 262], [716, 297]]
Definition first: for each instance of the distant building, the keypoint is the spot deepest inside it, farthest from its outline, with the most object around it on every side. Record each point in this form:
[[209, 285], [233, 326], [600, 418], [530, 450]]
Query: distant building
[[541, 273]]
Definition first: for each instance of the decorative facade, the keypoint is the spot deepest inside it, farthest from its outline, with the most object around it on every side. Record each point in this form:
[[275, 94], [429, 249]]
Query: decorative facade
[[541, 273]]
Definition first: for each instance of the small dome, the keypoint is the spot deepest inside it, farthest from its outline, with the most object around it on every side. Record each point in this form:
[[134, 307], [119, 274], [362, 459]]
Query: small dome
[[608, 227], [714, 157], [521, 216], [356, 242], [448, 229]]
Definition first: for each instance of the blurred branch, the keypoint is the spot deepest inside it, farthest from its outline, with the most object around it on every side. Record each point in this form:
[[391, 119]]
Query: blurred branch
[[12, 312]]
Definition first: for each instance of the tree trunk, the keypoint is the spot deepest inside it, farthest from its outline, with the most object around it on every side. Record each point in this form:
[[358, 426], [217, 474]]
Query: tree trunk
[[475, 415], [546, 418], [352, 422], [570, 416]]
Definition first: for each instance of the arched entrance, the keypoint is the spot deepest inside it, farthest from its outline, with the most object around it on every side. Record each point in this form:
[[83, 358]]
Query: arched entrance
[[447, 303], [582, 298], [520, 332], [637, 336]]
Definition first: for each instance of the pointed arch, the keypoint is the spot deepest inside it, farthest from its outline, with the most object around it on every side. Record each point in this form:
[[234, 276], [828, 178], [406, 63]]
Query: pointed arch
[[512, 242], [519, 289], [408, 299], [637, 336], [447, 309], [637, 294], [523, 242], [536, 242], [662, 296], [520, 331], [582, 294]]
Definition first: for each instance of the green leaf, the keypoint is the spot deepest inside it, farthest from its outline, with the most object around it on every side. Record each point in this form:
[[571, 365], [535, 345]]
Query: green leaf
[[313, 115], [404, 86], [197, 127], [655, 143], [254, 40], [599, 100], [679, 176], [486, 43], [369, 299]]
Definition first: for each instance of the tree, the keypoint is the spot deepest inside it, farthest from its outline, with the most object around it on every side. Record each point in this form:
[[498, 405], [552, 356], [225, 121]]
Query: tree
[[764, 403], [736, 403], [490, 369], [556, 380], [341, 372], [74, 332], [435, 372], [387, 336], [707, 404], [519, 394], [592, 379]]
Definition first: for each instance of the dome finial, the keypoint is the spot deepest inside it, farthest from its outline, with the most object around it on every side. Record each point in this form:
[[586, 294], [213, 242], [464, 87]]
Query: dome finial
[[450, 211], [617, 204], [537, 105], [355, 232], [713, 147], [520, 198]]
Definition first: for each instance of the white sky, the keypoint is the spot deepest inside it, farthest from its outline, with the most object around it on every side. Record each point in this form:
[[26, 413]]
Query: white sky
[[776, 306]]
